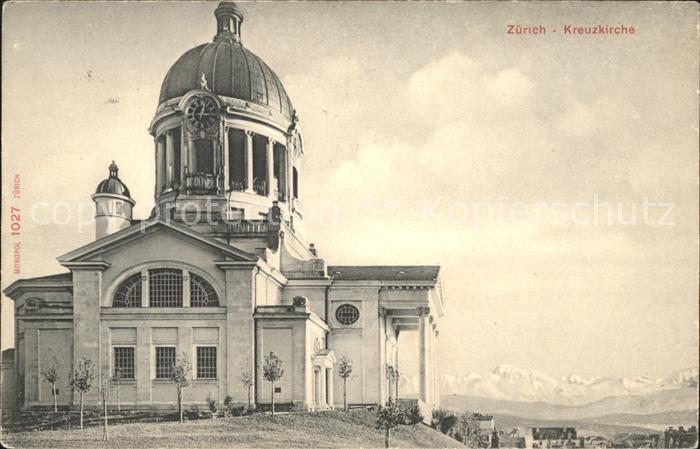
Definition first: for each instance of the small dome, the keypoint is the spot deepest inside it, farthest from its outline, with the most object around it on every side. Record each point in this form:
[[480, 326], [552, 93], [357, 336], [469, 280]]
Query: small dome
[[113, 185], [229, 69]]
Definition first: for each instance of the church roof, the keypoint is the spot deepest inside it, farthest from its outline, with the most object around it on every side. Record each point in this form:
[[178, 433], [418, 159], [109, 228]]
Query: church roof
[[384, 272], [230, 70], [135, 231], [61, 280], [51, 278]]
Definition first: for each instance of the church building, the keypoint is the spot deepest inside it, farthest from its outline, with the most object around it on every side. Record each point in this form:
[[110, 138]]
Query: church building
[[222, 270]]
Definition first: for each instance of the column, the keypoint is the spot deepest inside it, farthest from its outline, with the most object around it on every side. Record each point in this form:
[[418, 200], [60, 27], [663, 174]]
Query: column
[[322, 388], [290, 166], [270, 168], [433, 379], [160, 165], [169, 160], [191, 158], [423, 353], [249, 161], [436, 391], [226, 174], [329, 387]]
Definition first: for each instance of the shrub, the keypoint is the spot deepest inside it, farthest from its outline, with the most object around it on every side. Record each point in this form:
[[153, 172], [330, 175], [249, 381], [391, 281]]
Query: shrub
[[213, 408]]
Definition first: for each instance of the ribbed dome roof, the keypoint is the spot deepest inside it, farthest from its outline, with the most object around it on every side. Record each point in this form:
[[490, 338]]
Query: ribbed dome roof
[[230, 70], [113, 185]]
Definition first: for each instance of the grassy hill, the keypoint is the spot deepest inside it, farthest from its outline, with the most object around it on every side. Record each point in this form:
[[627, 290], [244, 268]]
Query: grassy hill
[[299, 430]]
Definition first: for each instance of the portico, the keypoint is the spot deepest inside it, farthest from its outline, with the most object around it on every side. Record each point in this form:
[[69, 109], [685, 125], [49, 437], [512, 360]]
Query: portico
[[420, 320]]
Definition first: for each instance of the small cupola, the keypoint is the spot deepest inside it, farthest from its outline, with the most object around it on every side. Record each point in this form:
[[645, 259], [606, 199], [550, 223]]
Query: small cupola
[[228, 22], [113, 204], [113, 184]]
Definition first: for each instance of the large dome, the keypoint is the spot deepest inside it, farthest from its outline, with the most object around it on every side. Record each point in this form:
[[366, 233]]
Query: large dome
[[229, 69]]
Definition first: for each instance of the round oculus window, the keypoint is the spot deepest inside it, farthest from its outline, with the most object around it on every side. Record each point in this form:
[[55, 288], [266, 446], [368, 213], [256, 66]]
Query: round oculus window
[[347, 314]]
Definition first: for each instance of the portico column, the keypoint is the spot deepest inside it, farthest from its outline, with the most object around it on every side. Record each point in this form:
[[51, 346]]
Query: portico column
[[329, 388], [169, 159], [431, 334], [423, 326], [249, 161], [160, 165], [323, 400], [270, 168], [436, 391]]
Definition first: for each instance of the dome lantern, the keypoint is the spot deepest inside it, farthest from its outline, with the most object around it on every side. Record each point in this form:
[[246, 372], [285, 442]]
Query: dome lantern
[[228, 22]]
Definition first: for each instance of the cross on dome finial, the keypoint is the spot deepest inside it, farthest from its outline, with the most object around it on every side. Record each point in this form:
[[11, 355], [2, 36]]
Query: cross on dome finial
[[228, 22]]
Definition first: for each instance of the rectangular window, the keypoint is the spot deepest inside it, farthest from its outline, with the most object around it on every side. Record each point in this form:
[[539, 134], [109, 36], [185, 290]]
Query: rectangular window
[[123, 363], [177, 158], [280, 164], [206, 362], [236, 159], [165, 359], [204, 154], [260, 164]]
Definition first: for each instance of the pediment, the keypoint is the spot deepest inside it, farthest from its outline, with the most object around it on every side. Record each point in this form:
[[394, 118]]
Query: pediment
[[92, 253]]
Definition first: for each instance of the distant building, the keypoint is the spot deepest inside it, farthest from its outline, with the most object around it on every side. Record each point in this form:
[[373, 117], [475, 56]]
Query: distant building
[[508, 441], [8, 380], [680, 437], [548, 437]]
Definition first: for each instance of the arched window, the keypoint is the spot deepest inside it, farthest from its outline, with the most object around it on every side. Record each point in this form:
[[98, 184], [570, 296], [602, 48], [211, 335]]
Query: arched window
[[129, 292], [202, 294], [165, 287]]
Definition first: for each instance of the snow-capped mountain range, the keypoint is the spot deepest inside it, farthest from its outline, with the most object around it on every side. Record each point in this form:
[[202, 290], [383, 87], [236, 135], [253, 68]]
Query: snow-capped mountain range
[[507, 382]]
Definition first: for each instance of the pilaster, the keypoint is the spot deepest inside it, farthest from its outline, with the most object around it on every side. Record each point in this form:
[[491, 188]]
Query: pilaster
[[240, 305]]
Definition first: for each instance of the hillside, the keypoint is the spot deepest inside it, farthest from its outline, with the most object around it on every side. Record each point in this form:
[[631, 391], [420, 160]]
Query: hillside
[[299, 430]]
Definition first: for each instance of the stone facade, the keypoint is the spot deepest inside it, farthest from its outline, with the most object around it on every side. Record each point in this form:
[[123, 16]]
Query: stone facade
[[221, 272]]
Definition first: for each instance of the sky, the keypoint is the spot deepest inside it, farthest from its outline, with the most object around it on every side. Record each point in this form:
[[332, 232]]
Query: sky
[[553, 177]]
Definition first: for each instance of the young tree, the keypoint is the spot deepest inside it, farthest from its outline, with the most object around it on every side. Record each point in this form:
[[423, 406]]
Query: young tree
[[50, 375], [344, 371], [179, 374], [389, 417], [104, 394], [213, 407], [116, 379], [80, 380], [248, 381], [272, 372], [228, 405]]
